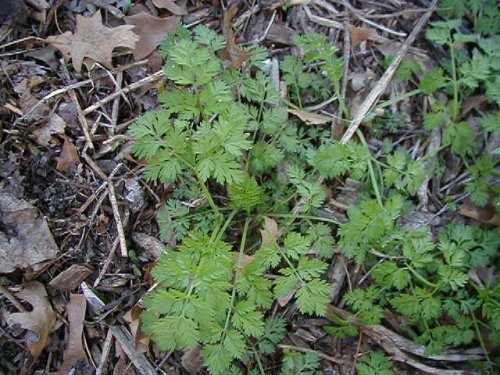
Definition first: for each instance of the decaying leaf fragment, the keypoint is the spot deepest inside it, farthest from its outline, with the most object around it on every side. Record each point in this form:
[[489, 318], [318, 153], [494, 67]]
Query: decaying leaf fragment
[[69, 157], [170, 5], [93, 40], [232, 53], [40, 321], [74, 351], [360, 34], [27, 240], [270, 232], [132, 317], [151, 31], [310, 118]]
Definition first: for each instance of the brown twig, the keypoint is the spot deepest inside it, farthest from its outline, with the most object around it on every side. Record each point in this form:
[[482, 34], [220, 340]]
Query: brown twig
[[81, 116], [134, 86]]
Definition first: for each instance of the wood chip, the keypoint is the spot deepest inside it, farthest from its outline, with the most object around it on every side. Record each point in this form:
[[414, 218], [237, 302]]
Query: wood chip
[[71, 278]]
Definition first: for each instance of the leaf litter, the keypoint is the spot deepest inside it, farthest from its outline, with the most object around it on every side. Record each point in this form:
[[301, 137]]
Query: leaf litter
[[47, 134], [40, 322], [28, 241], [93, 42]]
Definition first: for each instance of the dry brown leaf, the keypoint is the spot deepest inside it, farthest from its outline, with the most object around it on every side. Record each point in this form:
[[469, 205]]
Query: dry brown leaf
[[41, 320], [76, 315], [232, 53], [55, 125], [149, 246], [69, 157], [93, 40], [171, 6], [192, 361], [360, 34], [29, 241], [132, 317], [487, 214], [28, 100], [270, 232], [151, 31], [310, 118]]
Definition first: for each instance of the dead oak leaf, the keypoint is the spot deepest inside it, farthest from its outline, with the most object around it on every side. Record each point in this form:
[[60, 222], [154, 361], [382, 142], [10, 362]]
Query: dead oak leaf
[[41, 320], [93, 40], [151, 31]]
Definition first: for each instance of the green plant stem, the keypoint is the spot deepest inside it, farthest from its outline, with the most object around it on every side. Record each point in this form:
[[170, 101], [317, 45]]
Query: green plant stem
[[259, 362], [297, 92], [210, 200], [420, 277], [406, 95], [454, 78], [307, 217], [338, 92], [226, 224], [478, 333], [370, 169], [237, 272]]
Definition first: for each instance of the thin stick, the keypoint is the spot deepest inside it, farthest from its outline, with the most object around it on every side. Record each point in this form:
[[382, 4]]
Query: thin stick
[[92, 197], [12, 299], [94, 166], [106, 348], [116, 213], [381, 85], [151, 78], [116, 104], [339, 361], [358, 14], [106, 264], [77, 85], [81, 117]]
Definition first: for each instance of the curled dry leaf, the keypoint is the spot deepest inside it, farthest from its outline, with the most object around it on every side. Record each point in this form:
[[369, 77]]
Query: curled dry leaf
[[360, 34], [132, 317], [55, 125], [93, 40], [27, 100], [41, 320], [310, 118], [27, 241], [487, 214], [232, 53], [69, 157], [151, 31], [192, 360], [171, 6], [74, 351], [270, 232]]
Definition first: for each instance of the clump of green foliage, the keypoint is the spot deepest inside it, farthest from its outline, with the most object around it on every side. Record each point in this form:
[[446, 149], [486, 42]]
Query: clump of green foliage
[[470, 71], [241, 243], [223, 138]]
